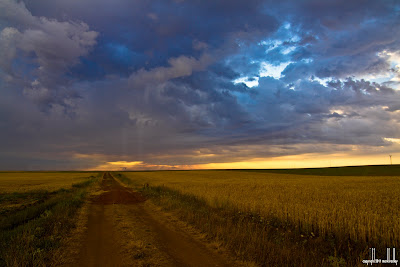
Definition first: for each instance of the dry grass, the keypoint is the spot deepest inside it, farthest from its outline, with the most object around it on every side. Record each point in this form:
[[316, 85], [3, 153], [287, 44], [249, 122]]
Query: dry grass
[[347, 210], [49, 181], [68, 251], [134, 237]]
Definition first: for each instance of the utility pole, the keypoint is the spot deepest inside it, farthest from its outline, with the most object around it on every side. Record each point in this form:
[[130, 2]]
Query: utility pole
[[390, 156]]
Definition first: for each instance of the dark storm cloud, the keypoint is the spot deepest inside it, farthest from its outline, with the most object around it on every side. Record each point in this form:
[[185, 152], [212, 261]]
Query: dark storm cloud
[[347, 37], [84, 82], [52, 47], [307, 110], [317, 16], [159, 30]]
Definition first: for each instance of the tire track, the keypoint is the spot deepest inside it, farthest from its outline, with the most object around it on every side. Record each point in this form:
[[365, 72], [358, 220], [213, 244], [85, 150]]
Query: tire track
[[103, 241]]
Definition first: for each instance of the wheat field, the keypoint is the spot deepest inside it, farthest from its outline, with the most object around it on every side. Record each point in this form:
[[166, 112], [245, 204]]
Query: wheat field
[[363, 208], [50, 181]]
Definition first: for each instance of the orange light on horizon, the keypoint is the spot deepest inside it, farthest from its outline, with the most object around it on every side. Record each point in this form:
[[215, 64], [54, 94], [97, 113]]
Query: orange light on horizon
[[303, 161], [312, 160]]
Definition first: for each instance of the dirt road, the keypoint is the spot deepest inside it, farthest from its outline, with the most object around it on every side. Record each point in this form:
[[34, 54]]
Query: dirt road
[[124, 230]]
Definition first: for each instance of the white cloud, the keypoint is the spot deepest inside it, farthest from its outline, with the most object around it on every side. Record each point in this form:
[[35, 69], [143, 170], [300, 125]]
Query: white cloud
[[274, 71], [249, 82]]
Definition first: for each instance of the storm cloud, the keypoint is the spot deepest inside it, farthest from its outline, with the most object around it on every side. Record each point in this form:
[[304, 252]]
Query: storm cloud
[[180, 83]]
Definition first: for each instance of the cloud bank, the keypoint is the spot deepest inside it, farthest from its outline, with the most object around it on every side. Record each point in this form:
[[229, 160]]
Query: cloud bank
[[175, 84]]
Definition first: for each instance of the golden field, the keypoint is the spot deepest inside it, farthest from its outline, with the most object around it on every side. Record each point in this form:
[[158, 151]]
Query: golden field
[[362, 208], [49, 181]]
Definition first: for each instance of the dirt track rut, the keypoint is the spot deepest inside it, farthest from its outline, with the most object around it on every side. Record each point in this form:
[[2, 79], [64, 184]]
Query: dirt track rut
[[123, 231]]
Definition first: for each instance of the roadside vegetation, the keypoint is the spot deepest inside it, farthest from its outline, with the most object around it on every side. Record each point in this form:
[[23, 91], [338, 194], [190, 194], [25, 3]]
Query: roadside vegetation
[[34, 223], [283, 219]]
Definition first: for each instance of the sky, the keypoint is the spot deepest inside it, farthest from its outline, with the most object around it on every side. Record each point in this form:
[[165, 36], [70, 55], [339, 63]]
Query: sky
[[198, 84]]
